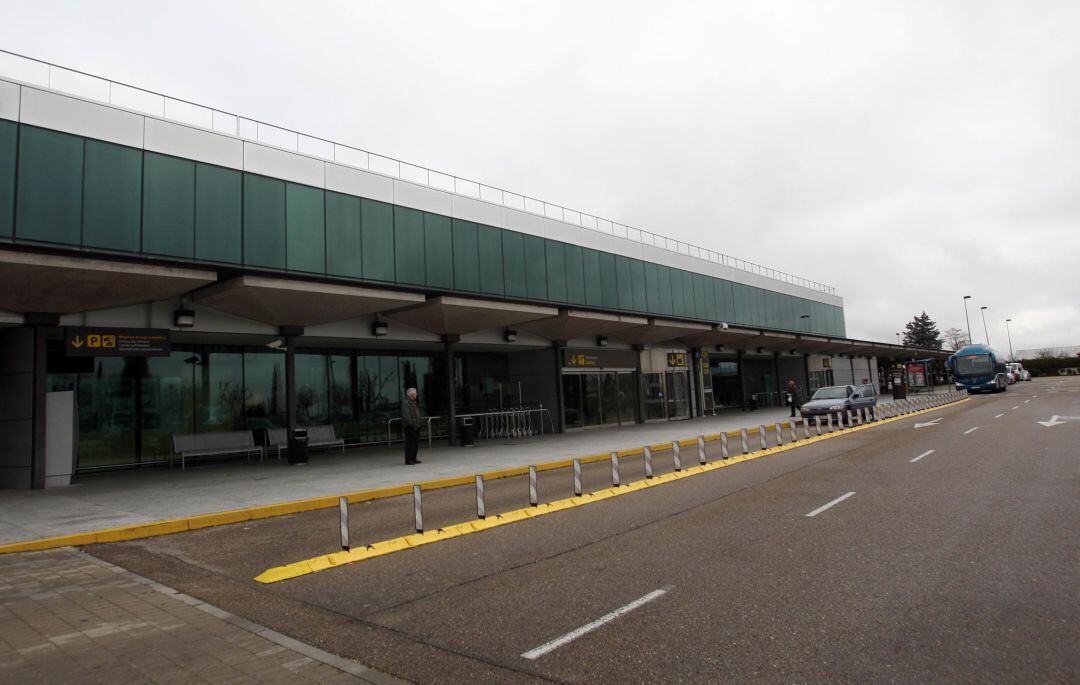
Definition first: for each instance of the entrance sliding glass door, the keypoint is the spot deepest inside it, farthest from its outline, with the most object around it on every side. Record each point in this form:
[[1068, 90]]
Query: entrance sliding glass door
[[599, 399]]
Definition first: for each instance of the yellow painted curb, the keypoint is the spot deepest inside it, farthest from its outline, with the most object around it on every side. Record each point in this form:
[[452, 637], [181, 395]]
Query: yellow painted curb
[[196, 522], [378, 549]]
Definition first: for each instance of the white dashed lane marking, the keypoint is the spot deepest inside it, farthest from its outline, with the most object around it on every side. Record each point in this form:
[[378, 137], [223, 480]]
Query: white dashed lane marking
[[971, 430], [823, 507], [927, 453]]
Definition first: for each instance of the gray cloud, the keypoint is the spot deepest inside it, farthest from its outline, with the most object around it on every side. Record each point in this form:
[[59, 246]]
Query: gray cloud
[[906, 153]]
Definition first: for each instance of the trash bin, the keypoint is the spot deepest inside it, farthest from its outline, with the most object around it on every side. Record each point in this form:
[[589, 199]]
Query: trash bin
[[298, 446], [753, 402], [466, 431]]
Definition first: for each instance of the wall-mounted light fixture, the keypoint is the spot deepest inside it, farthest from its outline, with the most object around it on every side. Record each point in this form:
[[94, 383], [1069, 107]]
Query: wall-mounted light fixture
[[379, 328], [601, 341], [184, 318], [510, 335], [723, 325]]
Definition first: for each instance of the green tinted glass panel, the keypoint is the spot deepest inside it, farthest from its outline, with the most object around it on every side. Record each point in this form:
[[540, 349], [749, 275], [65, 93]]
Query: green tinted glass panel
[[637, 282], [535, 268], [409, 245], [591, 266], [49, 197], [264, 221], [725, 303], [622, 276], [489, 246], [678, 293], [701, 310], [218, 214], [513, 246], [667, 306], [757, 306], [168, 206], [652, 288], [305, 228], [466, 257], [112, 196], [575, 277], [343, 235], [711, 311], [556, 271], [772, 305], [438, 251], [377, 239], [8, 140], [609, 282]]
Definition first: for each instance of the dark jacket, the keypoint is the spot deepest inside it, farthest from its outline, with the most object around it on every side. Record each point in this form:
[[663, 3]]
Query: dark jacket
[[793, 391], [410, 413]]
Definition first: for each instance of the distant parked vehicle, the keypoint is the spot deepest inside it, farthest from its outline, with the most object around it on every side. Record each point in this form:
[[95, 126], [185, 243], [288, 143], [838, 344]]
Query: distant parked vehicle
[[1013, 371], [1070, 371], [837, 399]]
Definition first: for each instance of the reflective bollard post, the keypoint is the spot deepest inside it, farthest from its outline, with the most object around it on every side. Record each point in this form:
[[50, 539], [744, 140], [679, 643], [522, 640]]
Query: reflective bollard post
[[481, 510], [764, 438], [534, 497], [676, 455], [792, 436], [343, 509], [418, 509], [745, 441], [701, 449], [647, 452], [615, 482], [850, 419], [817, 425], [577, 477], [779, 428], [723, 445]]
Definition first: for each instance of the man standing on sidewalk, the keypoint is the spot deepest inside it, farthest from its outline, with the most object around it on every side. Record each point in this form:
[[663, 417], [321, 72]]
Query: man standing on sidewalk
[[793, 396], [410, 419]]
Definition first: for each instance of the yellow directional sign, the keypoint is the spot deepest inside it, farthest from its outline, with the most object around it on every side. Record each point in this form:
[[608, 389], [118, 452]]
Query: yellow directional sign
[[118, 342]]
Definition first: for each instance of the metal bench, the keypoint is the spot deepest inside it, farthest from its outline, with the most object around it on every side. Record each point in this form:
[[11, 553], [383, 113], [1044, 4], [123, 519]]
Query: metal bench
[[318, 436], [222, 443]]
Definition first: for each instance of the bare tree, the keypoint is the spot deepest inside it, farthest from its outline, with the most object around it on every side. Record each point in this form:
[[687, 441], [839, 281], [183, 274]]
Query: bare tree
[[955, 338]]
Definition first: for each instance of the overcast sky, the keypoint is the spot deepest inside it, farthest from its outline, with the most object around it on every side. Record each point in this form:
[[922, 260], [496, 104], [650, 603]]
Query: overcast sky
[[907, 153]]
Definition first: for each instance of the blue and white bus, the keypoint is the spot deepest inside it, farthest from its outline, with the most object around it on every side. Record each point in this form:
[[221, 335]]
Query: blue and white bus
[[978, 368]]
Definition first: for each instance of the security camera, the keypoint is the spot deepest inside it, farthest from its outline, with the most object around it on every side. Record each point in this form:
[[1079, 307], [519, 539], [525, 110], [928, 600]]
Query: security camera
[[276, 344], [723, 324]]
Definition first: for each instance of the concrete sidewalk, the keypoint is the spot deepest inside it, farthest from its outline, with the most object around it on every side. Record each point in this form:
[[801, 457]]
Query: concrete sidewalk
[[69, 617], [108, 500]]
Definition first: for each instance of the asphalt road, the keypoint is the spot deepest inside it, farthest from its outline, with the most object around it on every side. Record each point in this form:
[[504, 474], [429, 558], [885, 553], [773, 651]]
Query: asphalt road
[[960, 564]]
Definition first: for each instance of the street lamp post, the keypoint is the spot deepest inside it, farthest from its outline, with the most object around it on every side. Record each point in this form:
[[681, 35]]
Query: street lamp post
[[897, 338], [982, 310], [1012, 358], [966, 298]]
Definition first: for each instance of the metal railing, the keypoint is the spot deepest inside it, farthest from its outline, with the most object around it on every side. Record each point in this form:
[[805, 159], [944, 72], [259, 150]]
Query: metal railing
[[397, 419], [81, 84], [520, 422]]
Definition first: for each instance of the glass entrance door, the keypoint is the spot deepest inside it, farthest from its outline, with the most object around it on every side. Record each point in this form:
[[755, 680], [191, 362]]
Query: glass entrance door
[[572, 401], [609, 398], [678, 396], [590, 399], [627, 398], [655, 406]]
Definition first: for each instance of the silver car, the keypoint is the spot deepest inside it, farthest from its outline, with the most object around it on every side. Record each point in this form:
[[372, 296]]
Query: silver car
[[837, 399]]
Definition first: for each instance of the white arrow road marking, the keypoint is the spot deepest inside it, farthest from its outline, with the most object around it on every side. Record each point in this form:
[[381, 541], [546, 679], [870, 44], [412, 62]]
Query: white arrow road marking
[[1056, 420], [927, 453], [928, 423], [823, 507], [589, 627], [999, 416]]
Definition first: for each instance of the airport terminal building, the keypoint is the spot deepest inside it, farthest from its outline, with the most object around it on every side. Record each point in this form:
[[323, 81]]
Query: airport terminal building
[[185, 270]]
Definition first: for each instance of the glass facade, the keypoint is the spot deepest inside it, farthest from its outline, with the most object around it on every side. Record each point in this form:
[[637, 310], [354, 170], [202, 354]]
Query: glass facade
[[92, 195]]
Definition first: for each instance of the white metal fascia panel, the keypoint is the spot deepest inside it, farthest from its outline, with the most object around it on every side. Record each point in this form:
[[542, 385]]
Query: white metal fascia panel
[[62, 113], [9, 101], [268, 161], [597, 240], [343, 179], [475, 210], [562, 231], [658, 255], [420, 197], [192, 143], [522, 222], [627, 248]]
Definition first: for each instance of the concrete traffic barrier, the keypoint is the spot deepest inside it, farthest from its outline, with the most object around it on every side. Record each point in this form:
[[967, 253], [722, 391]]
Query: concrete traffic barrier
[[481, 509], [343, 510], [418, 509]]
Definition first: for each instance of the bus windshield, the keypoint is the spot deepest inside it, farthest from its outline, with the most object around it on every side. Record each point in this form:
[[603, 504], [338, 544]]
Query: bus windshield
[[974, 365]]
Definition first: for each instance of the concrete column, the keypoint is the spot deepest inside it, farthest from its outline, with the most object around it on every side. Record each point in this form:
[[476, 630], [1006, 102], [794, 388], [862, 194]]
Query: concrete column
[[851, 361], [290, 334], [695, 384], [742, 378], [41, 323], [557, 348], [806, 371], [451, 410], [776, 378]]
